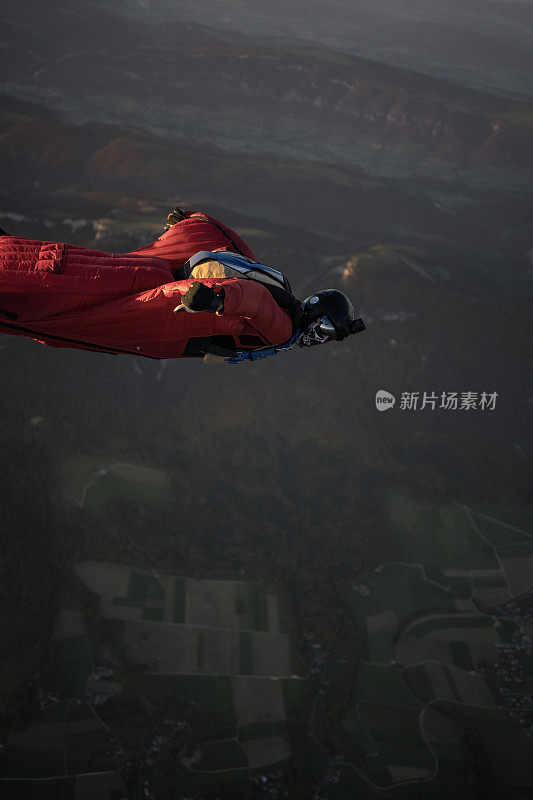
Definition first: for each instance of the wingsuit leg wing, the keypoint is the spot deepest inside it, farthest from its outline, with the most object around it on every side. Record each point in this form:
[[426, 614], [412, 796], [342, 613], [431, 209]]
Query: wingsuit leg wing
[[197, 231]]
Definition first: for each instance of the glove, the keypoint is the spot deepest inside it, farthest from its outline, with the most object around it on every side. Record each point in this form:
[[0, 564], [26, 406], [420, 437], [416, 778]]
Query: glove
[[200, 297]]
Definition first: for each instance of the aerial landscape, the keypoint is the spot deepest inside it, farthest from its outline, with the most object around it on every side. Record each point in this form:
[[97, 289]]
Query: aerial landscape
[[308, 577]]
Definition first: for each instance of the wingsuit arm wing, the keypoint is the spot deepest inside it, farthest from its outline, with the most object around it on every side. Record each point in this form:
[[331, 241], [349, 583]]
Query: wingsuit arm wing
[[250, 300]]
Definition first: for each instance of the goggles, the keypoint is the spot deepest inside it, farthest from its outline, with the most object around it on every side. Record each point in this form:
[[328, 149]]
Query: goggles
[[320, 331]]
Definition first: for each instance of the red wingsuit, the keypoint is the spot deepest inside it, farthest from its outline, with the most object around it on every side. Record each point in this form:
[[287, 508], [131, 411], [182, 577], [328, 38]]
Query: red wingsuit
[[69, 296]]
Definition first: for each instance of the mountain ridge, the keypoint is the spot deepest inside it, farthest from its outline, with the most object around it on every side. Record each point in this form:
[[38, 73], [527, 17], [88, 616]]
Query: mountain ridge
[[314, 103]]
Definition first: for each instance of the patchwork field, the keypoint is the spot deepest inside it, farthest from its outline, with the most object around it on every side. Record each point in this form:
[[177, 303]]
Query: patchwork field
[[252, 711], [219, 652], [394, 592], [429, 625], [132, 594], [214, 648]]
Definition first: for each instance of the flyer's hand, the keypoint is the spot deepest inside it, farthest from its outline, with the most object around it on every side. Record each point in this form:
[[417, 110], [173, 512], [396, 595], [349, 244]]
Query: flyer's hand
[[200, 297]]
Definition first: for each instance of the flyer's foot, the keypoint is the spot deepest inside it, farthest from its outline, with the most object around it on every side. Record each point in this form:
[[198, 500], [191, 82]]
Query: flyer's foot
[[175, 216]]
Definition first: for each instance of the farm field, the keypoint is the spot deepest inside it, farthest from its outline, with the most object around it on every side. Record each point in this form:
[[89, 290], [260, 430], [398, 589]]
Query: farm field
[[214, 655], [90, 481], [65, 739], [168, 648], [133, 594], [442, 536], [429, 625]]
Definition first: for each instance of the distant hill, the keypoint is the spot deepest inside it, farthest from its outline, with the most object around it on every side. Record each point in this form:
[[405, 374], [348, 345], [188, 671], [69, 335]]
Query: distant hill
[[307, 102], [477, 43]]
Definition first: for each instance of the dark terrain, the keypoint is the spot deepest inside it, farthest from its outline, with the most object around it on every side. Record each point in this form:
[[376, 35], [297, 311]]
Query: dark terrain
[[407, 191]]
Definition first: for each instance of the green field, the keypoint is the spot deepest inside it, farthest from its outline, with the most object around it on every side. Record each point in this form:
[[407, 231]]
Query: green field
[[113, 632], [510, 752], [200, 654], [144, 591], [65, 738], [351, 786], [396, 731], [246, 653], [427, 626], [285, 611], [515, 550], [502, 738], [154, 614], [38, 750], [197, 781], [360, 733], [419, 598], [222, 754], [180, 588], [520, 518], [438, 535], [460, 585], [144, 588], [379, 683], [243, 635], [293, 693], [70, 664], [122, 480], [461, 655], [260, 730], [210, 693], [489, 580], [22, 763], [28, 790], [380, 648], [390, 723], [499, 534], [258, 606], [88, 752], [402, 588], [417, 679]]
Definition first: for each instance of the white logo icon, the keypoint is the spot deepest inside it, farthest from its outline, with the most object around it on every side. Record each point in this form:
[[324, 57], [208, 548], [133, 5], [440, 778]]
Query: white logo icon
[[384, 400]]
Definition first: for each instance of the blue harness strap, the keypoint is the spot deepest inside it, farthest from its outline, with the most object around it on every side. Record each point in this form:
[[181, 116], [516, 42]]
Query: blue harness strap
[[244, 265], [261, 352]]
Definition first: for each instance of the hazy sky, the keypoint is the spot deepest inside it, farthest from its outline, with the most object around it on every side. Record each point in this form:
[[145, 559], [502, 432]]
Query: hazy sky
[[482, 43]]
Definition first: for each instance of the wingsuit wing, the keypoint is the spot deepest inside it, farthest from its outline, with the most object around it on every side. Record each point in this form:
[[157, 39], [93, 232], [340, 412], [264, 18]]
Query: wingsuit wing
[[144, 323], [253, 302]]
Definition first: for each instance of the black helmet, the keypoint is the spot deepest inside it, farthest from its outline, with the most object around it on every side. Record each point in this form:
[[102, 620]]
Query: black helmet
[[332, 313]]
